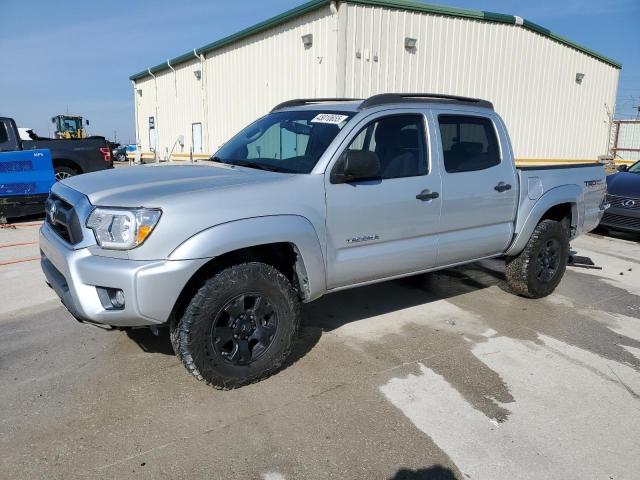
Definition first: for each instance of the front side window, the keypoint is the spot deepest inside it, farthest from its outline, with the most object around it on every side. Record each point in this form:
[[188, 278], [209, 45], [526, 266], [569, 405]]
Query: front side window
[[468, 143], [291, 141], [398, 142]]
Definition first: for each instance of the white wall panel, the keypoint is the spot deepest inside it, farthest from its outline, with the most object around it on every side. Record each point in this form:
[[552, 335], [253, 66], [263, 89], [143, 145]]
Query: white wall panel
[[145, 108], [248, 78], [180, 103], [360, 51], [529, 77]]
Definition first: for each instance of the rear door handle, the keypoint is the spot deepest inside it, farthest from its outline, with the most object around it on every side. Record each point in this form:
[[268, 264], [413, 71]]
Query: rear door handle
[[427, 195], [502, 187]]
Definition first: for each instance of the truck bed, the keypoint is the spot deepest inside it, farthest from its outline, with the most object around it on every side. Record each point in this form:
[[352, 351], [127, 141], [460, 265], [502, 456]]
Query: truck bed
[[584, 179], [559, 167], [83, 155]]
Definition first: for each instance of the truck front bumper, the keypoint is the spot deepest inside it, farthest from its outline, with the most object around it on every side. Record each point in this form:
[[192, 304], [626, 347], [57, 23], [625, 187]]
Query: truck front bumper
[[150, 288]]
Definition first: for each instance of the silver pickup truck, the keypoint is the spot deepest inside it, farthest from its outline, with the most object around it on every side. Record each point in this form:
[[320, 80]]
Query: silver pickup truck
[[318, 195]]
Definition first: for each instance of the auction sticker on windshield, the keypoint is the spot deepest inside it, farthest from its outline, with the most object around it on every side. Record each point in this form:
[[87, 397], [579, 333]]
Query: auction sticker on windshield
[[332, 118]]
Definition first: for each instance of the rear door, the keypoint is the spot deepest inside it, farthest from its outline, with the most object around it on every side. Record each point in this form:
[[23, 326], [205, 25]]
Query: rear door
[[385, 227], [479, 186]]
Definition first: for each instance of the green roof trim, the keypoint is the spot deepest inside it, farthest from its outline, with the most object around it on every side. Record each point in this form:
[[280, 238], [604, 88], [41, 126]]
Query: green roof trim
[[257, 28], [438, 10], [409, 5], [559, 38]]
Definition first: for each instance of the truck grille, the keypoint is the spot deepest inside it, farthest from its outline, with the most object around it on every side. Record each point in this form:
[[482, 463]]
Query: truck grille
[[621, 221], [629, 203], [63, 219]]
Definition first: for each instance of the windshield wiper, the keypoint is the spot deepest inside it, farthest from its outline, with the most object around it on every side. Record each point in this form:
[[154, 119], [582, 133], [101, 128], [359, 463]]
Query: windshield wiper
[[259, 166]]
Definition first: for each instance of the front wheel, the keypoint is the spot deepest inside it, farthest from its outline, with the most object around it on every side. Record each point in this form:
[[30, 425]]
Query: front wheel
[[538, 269], [239, 327]]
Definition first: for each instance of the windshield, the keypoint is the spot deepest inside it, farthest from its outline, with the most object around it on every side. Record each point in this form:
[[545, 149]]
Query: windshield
[[635, 168], [290, 141], [71, 125]]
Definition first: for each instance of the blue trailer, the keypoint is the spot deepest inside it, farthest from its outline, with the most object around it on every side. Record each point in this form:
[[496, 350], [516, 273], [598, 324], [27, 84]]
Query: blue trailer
[[26, 176]]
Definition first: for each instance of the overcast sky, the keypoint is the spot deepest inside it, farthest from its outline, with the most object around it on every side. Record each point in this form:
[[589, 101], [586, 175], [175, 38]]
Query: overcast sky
[[59, 55]]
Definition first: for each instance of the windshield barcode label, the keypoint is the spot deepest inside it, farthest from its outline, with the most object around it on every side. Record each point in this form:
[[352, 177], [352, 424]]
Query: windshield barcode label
[[329, 118]]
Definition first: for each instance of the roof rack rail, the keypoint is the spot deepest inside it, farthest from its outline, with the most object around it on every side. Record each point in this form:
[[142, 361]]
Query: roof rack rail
[[305, 101], [386, 98]]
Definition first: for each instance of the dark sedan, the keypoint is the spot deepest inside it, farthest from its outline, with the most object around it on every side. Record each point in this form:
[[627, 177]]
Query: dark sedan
[[624, 196]]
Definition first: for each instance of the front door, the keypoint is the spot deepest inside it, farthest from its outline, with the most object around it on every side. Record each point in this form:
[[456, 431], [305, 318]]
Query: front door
[[479, 187], [386, 226]]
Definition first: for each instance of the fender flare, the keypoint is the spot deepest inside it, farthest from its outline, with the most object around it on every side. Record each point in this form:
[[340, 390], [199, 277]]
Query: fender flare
[[250, 232], [571, 194]]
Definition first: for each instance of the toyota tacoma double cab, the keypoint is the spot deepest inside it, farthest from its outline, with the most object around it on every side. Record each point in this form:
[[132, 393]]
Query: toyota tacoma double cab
[[318, 195]]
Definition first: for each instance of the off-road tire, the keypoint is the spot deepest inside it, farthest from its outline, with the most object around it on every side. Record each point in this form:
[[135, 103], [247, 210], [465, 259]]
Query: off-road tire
[[521, 269], [192, 335]]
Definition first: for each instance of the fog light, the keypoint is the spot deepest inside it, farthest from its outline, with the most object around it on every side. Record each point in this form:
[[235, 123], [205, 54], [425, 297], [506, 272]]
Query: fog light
[[111, 298], [117, 299]]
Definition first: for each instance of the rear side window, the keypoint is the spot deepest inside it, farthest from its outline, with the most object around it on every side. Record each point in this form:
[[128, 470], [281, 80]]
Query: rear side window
[[468, 143]]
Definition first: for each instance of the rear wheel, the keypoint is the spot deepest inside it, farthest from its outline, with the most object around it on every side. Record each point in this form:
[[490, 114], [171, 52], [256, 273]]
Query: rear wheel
[[62, 172], [239, 327], [538, 269]]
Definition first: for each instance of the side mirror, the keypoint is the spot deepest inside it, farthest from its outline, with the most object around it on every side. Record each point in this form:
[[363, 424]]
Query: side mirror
[[623, 168], [356, 165]]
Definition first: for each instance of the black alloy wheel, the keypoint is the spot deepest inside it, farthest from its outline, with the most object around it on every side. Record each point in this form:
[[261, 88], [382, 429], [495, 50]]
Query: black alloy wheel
[[548, 260], [244, 329]]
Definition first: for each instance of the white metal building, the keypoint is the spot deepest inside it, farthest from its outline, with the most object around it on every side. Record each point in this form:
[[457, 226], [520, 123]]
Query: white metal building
[[556, 97]]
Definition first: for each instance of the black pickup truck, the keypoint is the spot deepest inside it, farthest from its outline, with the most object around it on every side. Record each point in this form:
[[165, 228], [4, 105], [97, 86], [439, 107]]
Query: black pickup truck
[[69, 157]]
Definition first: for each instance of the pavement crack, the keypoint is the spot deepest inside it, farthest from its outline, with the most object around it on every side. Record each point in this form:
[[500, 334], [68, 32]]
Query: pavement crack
[[626, 387]]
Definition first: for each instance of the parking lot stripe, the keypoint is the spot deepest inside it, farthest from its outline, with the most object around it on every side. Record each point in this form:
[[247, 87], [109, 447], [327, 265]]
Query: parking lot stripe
[[20, 260], [20, 225], [21, 244]]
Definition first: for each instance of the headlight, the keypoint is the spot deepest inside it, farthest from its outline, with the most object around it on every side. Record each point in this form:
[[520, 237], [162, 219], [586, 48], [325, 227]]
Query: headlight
[[121, 229]]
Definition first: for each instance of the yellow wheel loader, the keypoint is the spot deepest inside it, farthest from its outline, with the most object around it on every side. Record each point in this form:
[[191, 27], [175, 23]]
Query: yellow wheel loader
[[70, 126]]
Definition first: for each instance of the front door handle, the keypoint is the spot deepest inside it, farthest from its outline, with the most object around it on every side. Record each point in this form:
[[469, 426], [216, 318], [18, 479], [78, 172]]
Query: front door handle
[[502, 187], [427, 195]]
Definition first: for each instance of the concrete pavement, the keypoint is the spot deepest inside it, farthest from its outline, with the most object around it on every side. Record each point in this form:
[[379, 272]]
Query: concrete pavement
[[441, 376]]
